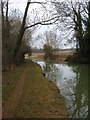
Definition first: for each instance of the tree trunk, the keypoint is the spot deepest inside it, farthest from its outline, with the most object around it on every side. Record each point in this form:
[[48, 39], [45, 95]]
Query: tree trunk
[[21, 33]]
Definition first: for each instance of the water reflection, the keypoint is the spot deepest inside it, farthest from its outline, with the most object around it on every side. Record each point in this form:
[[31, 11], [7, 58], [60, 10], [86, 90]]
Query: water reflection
[[72, 80], [80, 104]]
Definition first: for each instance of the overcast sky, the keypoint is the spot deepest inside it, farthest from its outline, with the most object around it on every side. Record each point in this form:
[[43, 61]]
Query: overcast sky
[[21, 4]]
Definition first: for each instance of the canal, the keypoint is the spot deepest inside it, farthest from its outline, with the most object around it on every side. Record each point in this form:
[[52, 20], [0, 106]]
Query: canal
[[72, 81]]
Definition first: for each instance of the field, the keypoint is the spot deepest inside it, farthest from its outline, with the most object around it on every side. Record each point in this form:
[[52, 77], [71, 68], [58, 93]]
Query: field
[[60, 56]]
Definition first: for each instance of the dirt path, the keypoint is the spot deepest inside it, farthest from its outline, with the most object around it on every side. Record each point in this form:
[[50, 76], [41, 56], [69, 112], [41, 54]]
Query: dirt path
[[11, 104], [34, 97]]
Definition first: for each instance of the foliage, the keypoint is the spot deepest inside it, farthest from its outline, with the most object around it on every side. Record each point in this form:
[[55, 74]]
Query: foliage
[[10, 30], [49, 51], [87, 31], [79, 15], [6, 43], [51, 44]]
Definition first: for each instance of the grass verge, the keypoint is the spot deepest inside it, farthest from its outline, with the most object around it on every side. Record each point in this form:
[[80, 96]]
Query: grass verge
[[9, 81], [41, 98]]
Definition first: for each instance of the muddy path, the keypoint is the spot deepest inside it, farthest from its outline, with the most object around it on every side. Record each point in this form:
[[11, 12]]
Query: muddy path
[[34, 97]]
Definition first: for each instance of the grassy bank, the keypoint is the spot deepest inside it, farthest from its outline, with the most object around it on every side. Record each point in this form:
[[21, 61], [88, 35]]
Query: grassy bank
[[75, 58], [9, 81], [40, 98]]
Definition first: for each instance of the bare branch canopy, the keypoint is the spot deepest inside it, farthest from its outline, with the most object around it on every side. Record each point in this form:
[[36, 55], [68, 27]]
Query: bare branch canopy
[[45, 22]]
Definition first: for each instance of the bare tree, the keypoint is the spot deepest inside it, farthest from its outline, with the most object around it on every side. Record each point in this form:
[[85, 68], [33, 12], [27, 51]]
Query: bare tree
[[6, 56], [23, 27], [73, 14], [52, 39], [51, 44]]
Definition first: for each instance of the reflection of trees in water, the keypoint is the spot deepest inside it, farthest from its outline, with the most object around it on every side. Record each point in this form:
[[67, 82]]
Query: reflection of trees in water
[[52, 72], [75, 89], [79, 107]]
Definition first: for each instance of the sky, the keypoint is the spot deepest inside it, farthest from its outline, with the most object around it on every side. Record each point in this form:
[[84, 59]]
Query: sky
[[21, 4]]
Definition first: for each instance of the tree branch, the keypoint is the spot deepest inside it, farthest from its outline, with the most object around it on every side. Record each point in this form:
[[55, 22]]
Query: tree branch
[[45, 22], [38, 2]]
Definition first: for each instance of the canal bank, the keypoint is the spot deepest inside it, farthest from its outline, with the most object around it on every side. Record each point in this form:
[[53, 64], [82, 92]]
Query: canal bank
[[72, 81], [32, 95]]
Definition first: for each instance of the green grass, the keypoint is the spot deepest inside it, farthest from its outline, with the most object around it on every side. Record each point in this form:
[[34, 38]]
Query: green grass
[[40, 97], [9, 80]]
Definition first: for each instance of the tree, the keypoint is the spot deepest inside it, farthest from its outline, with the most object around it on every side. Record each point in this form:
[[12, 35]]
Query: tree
[[86, 22], [52, 43], [6, 47], [23, 28], [9, 31], [10, 28], [74, 13], [48, 51], [52, 39], [21, 33]]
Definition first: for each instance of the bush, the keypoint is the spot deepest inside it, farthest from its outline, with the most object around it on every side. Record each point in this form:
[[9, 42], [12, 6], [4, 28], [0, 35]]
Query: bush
[[49, 52]]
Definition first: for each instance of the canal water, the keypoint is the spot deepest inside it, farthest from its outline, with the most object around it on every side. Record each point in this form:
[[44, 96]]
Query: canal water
[[72, 80]]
